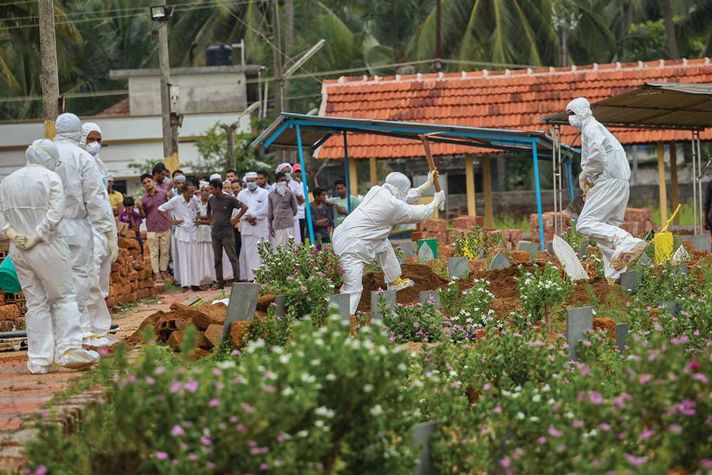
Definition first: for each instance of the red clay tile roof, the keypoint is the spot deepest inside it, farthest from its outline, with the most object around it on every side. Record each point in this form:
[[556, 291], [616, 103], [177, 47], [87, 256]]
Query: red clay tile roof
[[510, 99], [121, 108]]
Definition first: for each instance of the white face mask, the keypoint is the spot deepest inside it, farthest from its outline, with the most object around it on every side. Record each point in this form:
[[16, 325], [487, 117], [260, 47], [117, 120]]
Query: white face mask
[[576, 121], [93, 148]]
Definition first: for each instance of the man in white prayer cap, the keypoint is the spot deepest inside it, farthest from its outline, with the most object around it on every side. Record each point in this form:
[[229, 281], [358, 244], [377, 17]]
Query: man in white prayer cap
[[254, 225]]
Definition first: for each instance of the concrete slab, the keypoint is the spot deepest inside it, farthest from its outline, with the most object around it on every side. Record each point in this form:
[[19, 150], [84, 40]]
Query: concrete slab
[[578, 320]]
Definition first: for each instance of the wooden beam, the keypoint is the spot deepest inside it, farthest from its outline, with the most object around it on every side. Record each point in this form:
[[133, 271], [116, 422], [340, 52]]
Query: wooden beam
[[373, 171], [674, 190], [470, 185], [353, 175], [662, 185], [487, 188]]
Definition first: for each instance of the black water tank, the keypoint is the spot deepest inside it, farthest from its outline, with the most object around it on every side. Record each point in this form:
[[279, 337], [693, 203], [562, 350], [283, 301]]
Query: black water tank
[[218, 54]]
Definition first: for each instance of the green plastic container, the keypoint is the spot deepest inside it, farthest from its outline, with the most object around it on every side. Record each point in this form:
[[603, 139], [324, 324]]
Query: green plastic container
[[431, 243], [8, 277]]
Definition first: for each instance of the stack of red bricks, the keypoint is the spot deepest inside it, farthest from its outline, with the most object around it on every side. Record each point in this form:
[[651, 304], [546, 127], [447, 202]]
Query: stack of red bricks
[[638, 221], [432, 229], [548, 219], [131, 274]]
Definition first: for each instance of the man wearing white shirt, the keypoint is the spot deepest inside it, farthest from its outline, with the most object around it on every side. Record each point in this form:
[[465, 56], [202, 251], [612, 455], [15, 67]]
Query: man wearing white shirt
[[254, 226], [182, 211]]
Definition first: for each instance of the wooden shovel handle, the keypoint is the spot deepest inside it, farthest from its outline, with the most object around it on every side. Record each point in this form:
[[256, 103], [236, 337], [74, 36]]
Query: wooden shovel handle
[[429, 158]]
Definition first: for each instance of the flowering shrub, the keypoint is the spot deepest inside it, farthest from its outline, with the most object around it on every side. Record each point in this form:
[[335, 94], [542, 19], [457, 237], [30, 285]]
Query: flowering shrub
[[305, 275], [419, 323], [467, 312], [664, 283], [542, 292], [326, 402], [476, 243]]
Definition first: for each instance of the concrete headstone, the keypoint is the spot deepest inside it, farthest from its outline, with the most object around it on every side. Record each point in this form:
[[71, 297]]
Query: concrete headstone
[[530, 247], [702, 242], [671, 307], [341, 301], [499, 262], [631, 280], [390, 301], [280, 302], [242, 304], [458, 267], [422, 433], [645, 260], [432, 297], [621, 335], [578, 320]]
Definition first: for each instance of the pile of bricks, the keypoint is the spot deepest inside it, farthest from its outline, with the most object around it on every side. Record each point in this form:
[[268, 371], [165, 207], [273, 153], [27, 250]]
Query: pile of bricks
[[432, 229], [548, 219], [446, 233], [131, 274], [638, 221]]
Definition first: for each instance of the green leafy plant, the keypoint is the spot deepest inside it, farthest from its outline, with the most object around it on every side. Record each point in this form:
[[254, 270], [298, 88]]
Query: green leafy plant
[[476, 243], [417, 323], [542, 292]]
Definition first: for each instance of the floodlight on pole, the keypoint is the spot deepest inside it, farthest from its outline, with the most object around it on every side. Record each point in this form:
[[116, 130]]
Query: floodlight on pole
[[161, 12]]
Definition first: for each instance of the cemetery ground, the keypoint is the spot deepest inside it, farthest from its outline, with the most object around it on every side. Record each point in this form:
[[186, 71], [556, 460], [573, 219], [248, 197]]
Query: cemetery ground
[[508, 367]]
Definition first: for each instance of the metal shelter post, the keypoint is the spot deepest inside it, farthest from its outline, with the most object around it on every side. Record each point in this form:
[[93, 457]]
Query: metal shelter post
[[570, 173], [694, 186], [307, 207], [537, 185], [700, 173], [347, 173], [557, 180]]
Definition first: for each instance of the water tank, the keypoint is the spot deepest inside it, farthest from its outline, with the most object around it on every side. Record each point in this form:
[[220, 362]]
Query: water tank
[[218, 54]]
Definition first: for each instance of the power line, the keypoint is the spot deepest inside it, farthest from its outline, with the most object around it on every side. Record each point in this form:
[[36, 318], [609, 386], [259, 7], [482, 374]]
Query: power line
[[20, 2]]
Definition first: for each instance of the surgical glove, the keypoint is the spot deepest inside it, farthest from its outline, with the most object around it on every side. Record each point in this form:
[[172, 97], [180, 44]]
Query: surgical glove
[[31, 241], [583, 182], [438, 198], [12, 235], [113, 246], [432, 176]]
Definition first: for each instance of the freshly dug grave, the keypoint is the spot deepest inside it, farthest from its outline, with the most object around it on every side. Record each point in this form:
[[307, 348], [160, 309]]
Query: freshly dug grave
[[423, 276]]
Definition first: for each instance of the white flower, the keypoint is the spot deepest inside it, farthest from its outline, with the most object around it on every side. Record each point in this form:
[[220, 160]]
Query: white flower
[[227, 364], [302, 433], [277, 349], [331, 377], [319, 423], [569, 415], [546, 388], [534, 419], [324, 412], [284, 359], [367, 388], [520, 415], [308, 378], [376, 410], [287, 391], [315, 362], [536, 398], [402, 367]]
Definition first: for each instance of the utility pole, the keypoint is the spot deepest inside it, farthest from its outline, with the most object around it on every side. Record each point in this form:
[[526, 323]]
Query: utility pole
[[438, 20], [165, 68], [49, 78], [276, 46], [230, 133]]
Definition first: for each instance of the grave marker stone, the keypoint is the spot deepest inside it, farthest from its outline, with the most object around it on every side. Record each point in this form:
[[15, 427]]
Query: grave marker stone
[[458, 267], [621, 335], [280, 301], [499, 262], [430, 296], [530, 247], [390, 301], [672, 307], [631, 280], [578, 320], [422, 434], [242, 304], [342, 301]]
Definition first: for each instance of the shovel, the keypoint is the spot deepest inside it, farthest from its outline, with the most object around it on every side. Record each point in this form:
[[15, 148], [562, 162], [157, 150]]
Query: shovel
[[568, 258], [429, 158]]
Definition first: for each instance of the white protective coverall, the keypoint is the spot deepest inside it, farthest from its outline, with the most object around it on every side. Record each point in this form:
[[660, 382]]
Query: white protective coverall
[[363, 235], [31, 210], [85, 211], [99, 315], [605, 171]]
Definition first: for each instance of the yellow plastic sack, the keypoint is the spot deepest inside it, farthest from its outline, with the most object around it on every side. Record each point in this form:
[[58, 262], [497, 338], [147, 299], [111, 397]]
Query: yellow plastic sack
[[663, 243]]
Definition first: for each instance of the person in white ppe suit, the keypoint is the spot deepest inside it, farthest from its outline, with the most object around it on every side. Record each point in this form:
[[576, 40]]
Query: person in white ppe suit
[[604, 181], [97, 310], [363, 236], [31, 210], [86, 212]]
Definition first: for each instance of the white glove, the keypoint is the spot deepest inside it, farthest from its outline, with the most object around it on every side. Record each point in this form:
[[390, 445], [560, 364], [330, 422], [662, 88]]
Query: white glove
[[438, 198], [113, 246], [583, 182], [31, 241], [429, 182]]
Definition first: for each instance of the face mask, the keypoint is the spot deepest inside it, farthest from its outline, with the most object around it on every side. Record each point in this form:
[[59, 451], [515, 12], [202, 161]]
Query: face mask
[[281, 185], [575, 121], [93, 148], [288, 176], [252, 186]]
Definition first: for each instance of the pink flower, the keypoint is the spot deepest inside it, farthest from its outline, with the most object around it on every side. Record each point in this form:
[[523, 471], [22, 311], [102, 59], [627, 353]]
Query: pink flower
[[455, 384], [282, 437], [193, 457], [646, 434], [159, 370], [497, 409], [694, 366], [214, 403], [487, 387], [675, 428], [269, 389], [577, 424], [241, 428], [233, 419], [645, 378], [177, 431], [584, 370], [191, 386], [554, 432], [700, 377], [264, 466], [604, 427], [636, 461], [41, 470], [505, 462], [541, 440], [595, 397], [175, 387], [205, 440], [150, 381], [161, 455], [248, 408], [681, 340], [131, 378], [217, 372]]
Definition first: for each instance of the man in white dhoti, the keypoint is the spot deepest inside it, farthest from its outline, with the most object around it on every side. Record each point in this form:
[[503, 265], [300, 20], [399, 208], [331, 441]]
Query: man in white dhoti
[[182, 212], [204, 250], [254, 225]]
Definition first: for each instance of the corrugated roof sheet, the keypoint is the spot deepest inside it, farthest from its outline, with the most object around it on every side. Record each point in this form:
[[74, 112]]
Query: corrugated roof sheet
[[509, 99]]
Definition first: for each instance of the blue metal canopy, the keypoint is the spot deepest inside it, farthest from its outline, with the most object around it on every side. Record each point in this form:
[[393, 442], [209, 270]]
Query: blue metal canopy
[[291, 130]]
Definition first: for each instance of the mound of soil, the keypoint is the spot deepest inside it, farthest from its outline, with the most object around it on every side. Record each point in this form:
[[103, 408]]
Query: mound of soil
[[423, 276]]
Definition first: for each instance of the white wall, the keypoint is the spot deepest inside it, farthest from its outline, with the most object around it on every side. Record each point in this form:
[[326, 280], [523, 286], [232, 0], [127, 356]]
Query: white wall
[[126, 139]]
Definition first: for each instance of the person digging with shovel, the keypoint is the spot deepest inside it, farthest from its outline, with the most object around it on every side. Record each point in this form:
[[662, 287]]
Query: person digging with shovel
[[363, 236], [604, 181]]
